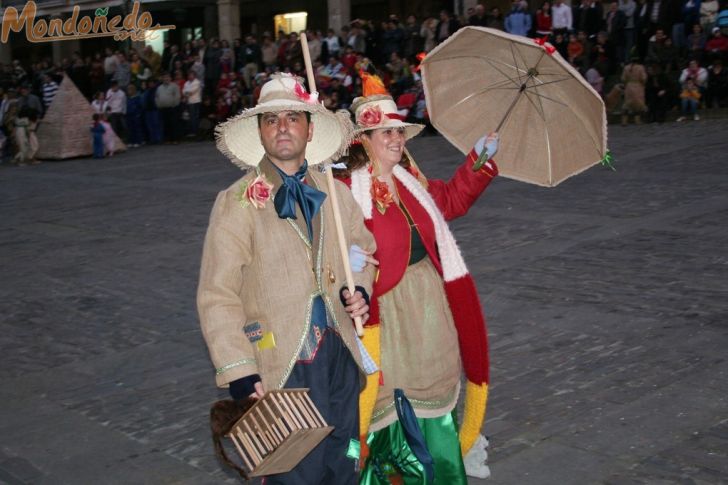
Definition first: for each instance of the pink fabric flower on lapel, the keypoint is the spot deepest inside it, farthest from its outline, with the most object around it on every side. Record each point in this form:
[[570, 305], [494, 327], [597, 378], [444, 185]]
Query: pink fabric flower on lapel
[[255, 192]]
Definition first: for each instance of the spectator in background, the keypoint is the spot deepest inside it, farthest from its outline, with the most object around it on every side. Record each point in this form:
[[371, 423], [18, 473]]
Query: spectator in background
[[135, 117], [251, 59], [99, 103], [518, 21], [615, 23], [116, 109], [634, 78], [192, 92], [208, 119], [211, 60], [628, 8], [332, 43], [479, 18], [401, 74], [122, 76], [152, 120], [110, 63], [656, 46], [670, 55], [588, 16], [717, 45], [198, 68], [574, 50], [29, 100], [236, 104], [427, 33], [689, 17], [226, 61], [495, 19], [153, 59], [562, 45], [412, 41], [657, 93], [543, 20], [135, 67], [595, 79], [603, 55], [49, 90], [26, 142], [269, 52], [97, 136], [294, 51], [175, 57], [717, 90], [342, 94], [708, 14], [445, 27], [695, 73], [179, 78], [109, 135], [167, 99], [392, 39], [696, 43], [96, 74], [689, 100], [562, 18], [314, 46]]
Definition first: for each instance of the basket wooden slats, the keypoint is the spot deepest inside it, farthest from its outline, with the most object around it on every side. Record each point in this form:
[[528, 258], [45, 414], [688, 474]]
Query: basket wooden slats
[[278, 431]]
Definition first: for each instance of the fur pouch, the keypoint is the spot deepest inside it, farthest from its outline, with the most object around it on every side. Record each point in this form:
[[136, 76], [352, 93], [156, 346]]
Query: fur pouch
[[223, 415]]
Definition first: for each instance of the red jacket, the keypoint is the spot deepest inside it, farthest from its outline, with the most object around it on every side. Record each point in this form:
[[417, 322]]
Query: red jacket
[[391, 229]]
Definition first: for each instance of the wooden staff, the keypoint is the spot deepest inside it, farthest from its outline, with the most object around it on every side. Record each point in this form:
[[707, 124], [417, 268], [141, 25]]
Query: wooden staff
[[332, 192]]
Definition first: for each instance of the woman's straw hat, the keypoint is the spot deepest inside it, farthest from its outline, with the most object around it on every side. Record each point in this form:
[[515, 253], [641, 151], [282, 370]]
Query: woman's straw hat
[[376, 109]]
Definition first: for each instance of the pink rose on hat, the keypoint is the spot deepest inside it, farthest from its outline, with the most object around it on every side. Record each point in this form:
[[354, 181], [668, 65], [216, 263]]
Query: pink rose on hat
[[371, 116]]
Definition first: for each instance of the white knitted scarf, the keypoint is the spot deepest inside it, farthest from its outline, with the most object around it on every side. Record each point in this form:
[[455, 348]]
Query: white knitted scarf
[[453, 266]]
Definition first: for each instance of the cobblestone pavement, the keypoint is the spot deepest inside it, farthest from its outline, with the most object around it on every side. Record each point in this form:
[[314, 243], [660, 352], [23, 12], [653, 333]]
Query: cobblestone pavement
[[605, 298]]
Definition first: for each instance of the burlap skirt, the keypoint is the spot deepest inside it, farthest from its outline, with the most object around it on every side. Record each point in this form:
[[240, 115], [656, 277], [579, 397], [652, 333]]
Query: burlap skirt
[[419, 347]]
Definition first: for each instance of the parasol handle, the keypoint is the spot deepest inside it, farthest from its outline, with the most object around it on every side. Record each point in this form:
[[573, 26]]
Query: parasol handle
[[484, 157], [332, 194]]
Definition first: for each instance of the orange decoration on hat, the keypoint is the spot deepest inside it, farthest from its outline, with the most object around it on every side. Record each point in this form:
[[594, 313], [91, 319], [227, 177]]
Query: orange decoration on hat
[[371, 84]]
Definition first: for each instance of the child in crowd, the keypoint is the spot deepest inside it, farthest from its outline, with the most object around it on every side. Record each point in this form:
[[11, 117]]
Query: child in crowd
[[97, 135], [575, 49], [109, 135], [25, 139], [690, 98]]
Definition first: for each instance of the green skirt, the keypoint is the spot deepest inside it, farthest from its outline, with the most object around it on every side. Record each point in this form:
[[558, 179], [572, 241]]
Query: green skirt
[[391, 460]]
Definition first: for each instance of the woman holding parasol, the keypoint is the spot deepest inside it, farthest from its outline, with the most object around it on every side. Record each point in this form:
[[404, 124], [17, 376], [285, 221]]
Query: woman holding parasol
[[426, 322]]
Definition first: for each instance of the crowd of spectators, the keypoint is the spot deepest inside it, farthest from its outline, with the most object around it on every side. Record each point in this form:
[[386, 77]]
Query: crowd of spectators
[[648, 56]]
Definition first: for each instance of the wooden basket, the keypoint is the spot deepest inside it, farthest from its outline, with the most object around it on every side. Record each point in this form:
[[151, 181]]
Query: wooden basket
[[278, 431]]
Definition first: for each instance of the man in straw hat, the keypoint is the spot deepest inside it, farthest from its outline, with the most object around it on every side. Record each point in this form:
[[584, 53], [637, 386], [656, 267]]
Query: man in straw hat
[[270, 297]]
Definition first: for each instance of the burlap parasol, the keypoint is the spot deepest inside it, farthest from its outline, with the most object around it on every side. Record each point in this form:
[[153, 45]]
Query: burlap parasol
[[552, 124]]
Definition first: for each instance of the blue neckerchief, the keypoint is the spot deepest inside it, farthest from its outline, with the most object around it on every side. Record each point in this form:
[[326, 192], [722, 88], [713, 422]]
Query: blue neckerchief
[[294, 190]]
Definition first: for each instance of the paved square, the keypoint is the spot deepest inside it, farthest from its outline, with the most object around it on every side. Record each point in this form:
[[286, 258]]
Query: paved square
[[606, 300]]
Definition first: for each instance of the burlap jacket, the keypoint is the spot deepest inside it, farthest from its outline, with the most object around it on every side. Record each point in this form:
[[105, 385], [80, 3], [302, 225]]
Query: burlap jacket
[[260, 274]]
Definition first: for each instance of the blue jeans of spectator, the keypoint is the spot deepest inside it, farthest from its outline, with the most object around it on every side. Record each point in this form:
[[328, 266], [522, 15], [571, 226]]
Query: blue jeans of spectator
[[194, 122], [136, 129], [689, 106], [170, 122], [153, 123]]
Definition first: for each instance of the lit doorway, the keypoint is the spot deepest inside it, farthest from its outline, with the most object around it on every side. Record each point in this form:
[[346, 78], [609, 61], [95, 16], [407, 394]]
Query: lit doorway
[[290, 22]]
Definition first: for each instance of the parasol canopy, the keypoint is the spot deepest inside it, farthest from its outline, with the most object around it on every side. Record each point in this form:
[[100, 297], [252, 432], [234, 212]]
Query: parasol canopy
[[552, 124]]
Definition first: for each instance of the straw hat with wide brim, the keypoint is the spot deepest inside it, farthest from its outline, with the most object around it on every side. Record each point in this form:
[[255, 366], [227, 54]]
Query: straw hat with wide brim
[[380, 111], [239, 139]]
